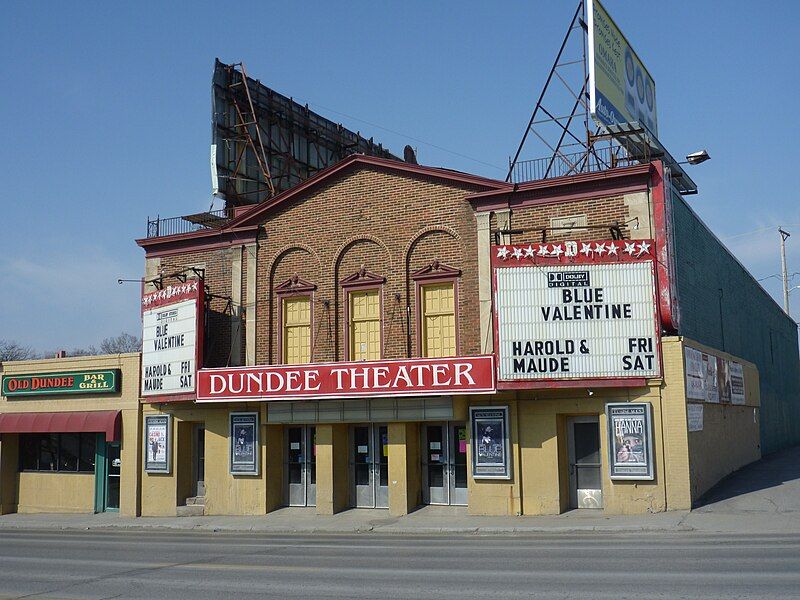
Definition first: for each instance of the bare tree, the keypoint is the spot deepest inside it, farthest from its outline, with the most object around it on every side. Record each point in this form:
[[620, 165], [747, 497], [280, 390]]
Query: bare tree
[[124, 342], [11, 350]]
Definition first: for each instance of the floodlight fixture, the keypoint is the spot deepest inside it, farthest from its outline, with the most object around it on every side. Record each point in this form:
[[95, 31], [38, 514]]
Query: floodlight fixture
[[695, 158]]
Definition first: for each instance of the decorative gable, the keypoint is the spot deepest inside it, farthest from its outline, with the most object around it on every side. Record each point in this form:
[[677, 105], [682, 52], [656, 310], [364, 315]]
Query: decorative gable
[[435, 270], [363, 278], [295, 285]]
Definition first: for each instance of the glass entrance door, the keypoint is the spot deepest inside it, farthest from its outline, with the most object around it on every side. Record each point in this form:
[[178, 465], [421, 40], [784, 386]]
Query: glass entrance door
[[585, 488], [301, 465], [444, 464], [112, 477], [369, 463]]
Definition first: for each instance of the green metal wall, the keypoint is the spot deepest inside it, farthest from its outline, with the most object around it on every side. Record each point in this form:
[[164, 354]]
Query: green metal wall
[[722, 306]]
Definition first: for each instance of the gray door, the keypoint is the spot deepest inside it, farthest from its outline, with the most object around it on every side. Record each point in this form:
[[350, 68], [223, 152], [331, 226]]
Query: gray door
[[444, 464], [457, 463], [585, 488], [301, 471], [369, 461], [434, 465], [199, 467]]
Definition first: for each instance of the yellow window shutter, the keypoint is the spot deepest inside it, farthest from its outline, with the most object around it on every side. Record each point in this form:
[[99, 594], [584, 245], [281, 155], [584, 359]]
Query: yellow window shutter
[[297, 330], [365, 325], [438, 320]]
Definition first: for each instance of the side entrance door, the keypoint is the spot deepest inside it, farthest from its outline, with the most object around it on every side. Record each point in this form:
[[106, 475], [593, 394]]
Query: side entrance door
[[444, 464], [301, 467], [369, 465], [107, 475], [585, 487]]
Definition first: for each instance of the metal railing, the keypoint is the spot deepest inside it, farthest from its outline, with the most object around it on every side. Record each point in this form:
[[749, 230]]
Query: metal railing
[[161, 227], [563, 165]]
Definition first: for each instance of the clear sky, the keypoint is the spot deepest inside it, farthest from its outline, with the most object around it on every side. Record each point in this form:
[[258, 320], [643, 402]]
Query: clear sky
[[105, 112]]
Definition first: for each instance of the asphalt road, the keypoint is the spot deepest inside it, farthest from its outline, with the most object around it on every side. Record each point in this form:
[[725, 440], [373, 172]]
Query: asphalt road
[[153, 564]]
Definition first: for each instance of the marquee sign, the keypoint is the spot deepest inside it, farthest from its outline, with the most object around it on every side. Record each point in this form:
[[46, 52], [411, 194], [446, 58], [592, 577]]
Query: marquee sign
[[576, 310], [64, 382], [411, 377], [172, 326]]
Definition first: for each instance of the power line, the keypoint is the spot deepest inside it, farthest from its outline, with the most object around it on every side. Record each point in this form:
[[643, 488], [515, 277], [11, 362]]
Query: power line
[[409, 137], [760, 230]]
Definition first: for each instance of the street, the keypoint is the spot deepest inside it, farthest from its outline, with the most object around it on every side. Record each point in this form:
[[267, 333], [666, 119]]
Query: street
[[174, 564]]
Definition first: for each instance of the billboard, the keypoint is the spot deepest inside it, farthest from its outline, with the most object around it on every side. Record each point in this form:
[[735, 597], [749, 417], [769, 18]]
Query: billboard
[[256, 130], [172, 326], [621, 89], [576, 311]]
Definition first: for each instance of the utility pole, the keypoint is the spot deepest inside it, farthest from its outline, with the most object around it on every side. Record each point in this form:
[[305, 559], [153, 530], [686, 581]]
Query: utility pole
[[784, 235]]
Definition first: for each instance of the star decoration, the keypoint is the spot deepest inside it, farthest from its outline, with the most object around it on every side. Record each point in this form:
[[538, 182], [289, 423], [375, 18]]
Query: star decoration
[[600, 249], [502, 252], [586, 249], [557, 251], [612, 249], [543, 250], [529, 252], [517, 253], [630, 248], [644, 248]]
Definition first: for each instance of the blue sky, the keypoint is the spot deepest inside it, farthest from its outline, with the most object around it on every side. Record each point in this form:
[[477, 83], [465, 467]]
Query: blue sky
[[106, 119]]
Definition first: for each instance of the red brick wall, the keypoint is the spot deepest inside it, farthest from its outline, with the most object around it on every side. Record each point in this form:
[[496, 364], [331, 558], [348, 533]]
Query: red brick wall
[[217, 264], [387, 223], [600, 211]]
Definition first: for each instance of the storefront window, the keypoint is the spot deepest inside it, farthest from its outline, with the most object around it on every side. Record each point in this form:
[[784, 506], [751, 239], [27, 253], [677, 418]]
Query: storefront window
[[438, 321], [58, 452]]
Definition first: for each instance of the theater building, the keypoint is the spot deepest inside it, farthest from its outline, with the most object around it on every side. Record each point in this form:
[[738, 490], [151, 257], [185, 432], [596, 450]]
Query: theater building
[[69, 435], [387, 335]]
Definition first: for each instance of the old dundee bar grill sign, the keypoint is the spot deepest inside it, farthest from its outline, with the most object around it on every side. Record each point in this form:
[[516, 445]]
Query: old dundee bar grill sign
[[411, 377], [172, 324], [576, 310]]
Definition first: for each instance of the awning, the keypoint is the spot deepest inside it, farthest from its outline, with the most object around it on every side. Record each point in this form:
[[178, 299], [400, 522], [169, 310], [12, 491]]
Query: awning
[[98, 421]]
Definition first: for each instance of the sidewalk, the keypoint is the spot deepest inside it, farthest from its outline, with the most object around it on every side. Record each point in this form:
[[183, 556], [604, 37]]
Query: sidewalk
[[427, 520], [762, 498]]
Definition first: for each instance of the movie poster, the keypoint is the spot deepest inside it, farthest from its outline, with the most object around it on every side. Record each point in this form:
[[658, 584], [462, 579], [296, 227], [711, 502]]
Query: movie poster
[[710, 380], [157, 443], [490, 458], [724, 380], [244, 443], [737, 383], [630, 440]]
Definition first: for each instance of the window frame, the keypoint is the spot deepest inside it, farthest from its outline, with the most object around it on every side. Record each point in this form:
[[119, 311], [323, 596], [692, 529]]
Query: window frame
[[293, 288], [362, 281], [435, 273]]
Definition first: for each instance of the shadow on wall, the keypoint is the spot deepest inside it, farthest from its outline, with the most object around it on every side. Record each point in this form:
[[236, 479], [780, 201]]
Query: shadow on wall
[[769, 472]]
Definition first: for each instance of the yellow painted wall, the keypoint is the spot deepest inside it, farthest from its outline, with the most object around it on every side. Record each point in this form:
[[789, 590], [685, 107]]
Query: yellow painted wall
[[225, 494], [333, 481], [496, 496], [55, 492], [405, 492], [25, 486], [273, 466], [9, 461], [730, 438]]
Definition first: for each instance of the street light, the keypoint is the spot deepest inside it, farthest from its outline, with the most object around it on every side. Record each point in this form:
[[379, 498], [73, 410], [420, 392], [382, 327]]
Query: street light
[[695, 158]]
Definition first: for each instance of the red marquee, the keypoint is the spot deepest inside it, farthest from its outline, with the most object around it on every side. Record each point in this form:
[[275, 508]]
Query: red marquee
[[410, 377]]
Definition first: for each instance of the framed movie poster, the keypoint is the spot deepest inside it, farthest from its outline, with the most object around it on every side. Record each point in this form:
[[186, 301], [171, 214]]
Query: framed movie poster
[[244, 447], [630, 440], [490, 456], [157, 443]]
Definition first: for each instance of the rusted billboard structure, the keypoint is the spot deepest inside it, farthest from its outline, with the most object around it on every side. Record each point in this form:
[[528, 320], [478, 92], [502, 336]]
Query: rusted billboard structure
[[265, 143]]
